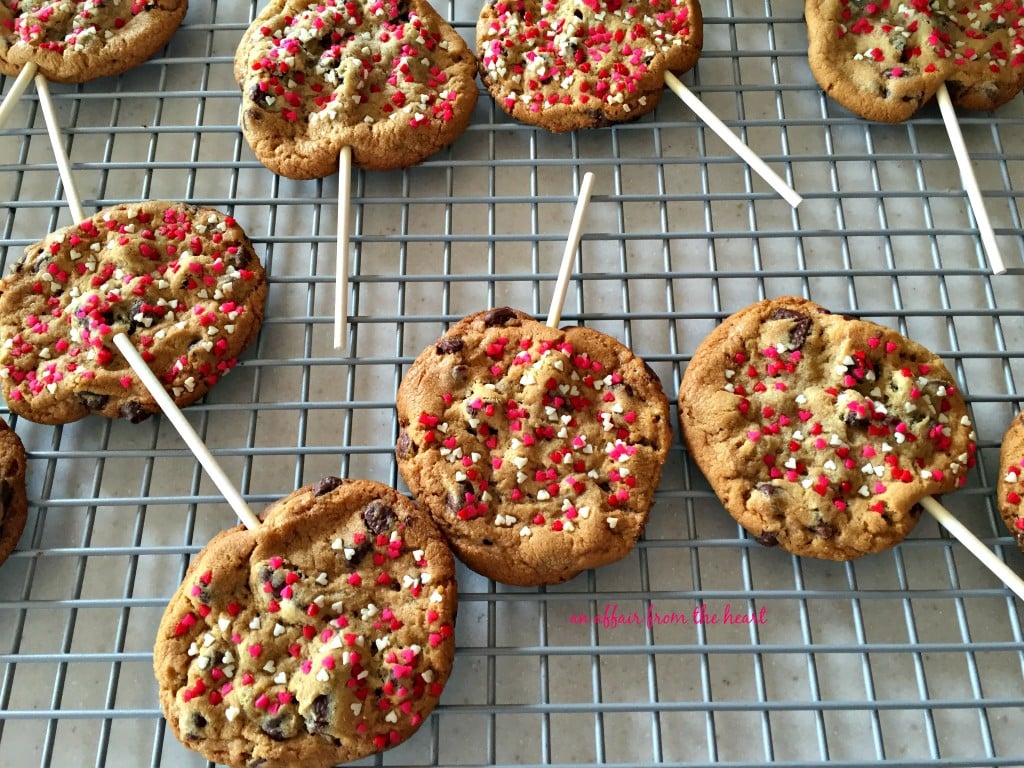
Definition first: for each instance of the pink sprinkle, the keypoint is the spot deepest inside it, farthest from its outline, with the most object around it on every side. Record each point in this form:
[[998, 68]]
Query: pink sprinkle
[[255, 650]]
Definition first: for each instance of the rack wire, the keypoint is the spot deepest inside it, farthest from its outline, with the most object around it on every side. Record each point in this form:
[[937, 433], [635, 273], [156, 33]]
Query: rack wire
[[910, 656]]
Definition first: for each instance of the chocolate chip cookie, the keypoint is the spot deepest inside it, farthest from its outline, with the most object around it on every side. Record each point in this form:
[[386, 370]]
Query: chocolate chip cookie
[[885, 60], [13, 500], [72, 41], [1010, 489], [183, 283], [569, 64], [390, 79], [536, 450], [323, 636], [820, 432]]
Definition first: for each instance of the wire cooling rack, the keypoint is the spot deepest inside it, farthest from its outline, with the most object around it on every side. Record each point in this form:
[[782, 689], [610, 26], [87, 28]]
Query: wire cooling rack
[[911, 656]]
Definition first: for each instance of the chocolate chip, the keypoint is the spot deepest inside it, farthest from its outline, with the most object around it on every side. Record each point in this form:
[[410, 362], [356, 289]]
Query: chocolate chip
[[403, 449], [92, 400], [499, 316], [768, 538], [198, 720], [379, 517], [133, 411], [326, 485], [318, 717], [274, 727], [852, 419], [460, 373], [825, 530], [768, 489], [488, 543], [258, 96], [360, 551], [801, 326], [453, 502], [449, 345]]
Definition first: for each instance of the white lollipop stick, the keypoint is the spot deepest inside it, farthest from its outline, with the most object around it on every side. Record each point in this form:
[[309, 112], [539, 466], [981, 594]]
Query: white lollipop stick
[[188, 434], [963, 160], [17, 89], [987, 557], [341, 269], [565, 271], [63, 164], [746, 153]]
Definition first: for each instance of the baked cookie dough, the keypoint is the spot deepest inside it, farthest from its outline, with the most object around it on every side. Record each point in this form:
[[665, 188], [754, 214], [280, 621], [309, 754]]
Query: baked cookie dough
[[568, 64], [13, 499], [536, 450], [321, 637], [183, 283], [390, 79], [72, 41], [885, 60], [1010, 489], [820, 432]]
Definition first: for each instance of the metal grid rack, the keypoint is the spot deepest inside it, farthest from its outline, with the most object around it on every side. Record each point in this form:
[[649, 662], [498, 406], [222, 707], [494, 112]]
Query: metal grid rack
[[911, 656]]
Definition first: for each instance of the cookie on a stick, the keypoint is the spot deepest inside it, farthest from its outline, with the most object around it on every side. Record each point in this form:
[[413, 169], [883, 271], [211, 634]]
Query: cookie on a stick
[[323, 636], [884, 61], [72, 41], [571, 64], [536, 449], [182, 282], [824, 434], [388, 80]]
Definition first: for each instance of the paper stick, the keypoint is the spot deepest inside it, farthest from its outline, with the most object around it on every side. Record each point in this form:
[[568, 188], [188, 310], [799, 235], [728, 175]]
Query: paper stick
[[746, 153], [188, 434], [17, 89], [569, 255], [341, 269], [63, 164], [987, 557], [970, 181]]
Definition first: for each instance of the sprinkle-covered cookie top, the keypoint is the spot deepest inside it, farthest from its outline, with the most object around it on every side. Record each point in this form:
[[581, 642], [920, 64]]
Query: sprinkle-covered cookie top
[[328, 635], [182, 282], [319, 69], [902, 34], [77, 40], [584, 56], [819, 432], [515, 434]]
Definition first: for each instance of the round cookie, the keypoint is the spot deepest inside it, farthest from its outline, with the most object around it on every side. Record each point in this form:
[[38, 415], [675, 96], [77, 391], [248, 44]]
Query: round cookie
[[323, 636], [182, 282], [13, 499], [886, 60], [568, 64], [1010, 489], [819, 432], [536, 450], [390, 79], [72, 41]]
